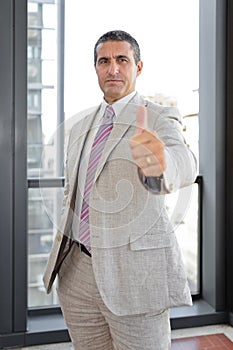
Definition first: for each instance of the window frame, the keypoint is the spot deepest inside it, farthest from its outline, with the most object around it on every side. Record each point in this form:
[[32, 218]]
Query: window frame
[[13, 207]]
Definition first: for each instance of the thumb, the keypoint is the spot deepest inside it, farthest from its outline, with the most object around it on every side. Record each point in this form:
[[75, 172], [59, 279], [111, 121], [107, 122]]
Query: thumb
[[141, 119]]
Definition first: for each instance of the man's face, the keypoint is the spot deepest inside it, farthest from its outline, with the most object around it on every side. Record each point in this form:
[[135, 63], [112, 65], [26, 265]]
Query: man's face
[[116, 69]]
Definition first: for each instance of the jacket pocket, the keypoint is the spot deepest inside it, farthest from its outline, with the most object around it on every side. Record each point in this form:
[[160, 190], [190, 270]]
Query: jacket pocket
[[152, 241]]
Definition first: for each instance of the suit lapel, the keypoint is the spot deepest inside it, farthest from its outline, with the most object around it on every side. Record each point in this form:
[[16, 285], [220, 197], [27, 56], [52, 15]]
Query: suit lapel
[[124, 121], [80, 137]]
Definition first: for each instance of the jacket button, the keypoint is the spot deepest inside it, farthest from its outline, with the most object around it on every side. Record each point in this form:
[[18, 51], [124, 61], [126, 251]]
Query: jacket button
[[58, 238]]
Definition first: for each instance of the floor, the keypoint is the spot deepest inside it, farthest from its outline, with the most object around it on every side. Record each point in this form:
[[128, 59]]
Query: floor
[[204, 342], [218, 337]]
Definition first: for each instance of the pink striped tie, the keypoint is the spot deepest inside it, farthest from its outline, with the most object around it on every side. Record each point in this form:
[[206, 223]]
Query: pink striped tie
[[95, 155]]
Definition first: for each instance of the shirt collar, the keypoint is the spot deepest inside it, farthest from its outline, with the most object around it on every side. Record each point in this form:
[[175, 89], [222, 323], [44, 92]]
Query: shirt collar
[[118, 105]]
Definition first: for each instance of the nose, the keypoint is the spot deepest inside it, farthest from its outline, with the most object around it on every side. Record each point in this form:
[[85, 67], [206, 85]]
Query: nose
[[113, 68]]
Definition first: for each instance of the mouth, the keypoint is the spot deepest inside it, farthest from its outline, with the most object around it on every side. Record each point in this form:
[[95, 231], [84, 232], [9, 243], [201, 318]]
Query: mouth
[[113, 81], [113, 78]]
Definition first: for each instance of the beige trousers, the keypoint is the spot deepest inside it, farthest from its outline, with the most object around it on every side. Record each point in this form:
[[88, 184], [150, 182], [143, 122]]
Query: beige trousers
[[92, 326]]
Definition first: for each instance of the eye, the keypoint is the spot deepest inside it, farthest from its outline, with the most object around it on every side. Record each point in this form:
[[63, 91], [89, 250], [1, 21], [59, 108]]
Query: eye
[[102, 60], [122, 59]]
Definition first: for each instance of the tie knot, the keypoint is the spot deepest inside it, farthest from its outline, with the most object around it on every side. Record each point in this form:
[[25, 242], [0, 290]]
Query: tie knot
[[109, 113]]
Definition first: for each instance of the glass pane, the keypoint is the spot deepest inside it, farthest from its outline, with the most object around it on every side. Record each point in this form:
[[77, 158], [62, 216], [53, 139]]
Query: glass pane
[[42, 88], [43, 162], [183, 209], [44, 207], [169, 42], [170, 54]]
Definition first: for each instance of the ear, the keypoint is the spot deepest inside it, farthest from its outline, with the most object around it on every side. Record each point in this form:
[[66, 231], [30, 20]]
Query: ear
[[139, 67]]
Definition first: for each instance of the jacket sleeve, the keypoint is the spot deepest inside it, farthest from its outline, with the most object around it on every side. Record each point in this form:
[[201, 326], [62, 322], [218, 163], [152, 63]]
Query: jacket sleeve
[[181, 164]]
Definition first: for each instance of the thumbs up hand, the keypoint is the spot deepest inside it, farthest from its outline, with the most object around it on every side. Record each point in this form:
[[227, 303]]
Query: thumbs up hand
[[147, 149]]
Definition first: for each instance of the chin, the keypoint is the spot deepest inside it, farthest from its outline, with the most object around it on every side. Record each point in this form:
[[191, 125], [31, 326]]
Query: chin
[[116, 94]]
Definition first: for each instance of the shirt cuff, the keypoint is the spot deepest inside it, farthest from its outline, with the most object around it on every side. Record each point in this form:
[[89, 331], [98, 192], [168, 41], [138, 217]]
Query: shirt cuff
[[153, 184]]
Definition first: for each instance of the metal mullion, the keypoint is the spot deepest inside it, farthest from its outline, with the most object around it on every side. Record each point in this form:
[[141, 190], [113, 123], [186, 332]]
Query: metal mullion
[[6, 173], [20, 166], [199, 181], [56, 182]]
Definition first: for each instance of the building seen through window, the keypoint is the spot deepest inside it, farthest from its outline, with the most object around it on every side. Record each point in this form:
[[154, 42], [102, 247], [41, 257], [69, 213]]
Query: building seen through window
[[42, 118]]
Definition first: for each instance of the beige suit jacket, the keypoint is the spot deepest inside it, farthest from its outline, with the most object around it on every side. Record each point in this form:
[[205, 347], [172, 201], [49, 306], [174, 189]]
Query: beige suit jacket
[[136, 259]]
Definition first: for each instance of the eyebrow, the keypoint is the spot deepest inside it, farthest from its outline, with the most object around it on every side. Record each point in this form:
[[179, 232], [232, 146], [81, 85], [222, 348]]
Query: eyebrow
[[116, 57], [122, 56]]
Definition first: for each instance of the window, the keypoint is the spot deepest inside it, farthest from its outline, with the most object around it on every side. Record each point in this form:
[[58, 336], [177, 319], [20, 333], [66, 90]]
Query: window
[[169, 77], [43, 116], [19, 328]]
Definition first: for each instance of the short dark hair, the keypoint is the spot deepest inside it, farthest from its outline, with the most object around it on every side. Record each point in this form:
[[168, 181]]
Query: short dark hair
[[119, 35]]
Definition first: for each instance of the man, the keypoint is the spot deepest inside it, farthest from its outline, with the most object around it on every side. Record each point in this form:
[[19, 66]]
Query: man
[[120, 268]]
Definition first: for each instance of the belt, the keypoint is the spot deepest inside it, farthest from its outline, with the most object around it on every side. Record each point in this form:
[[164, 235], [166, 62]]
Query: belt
[[83, 249]]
